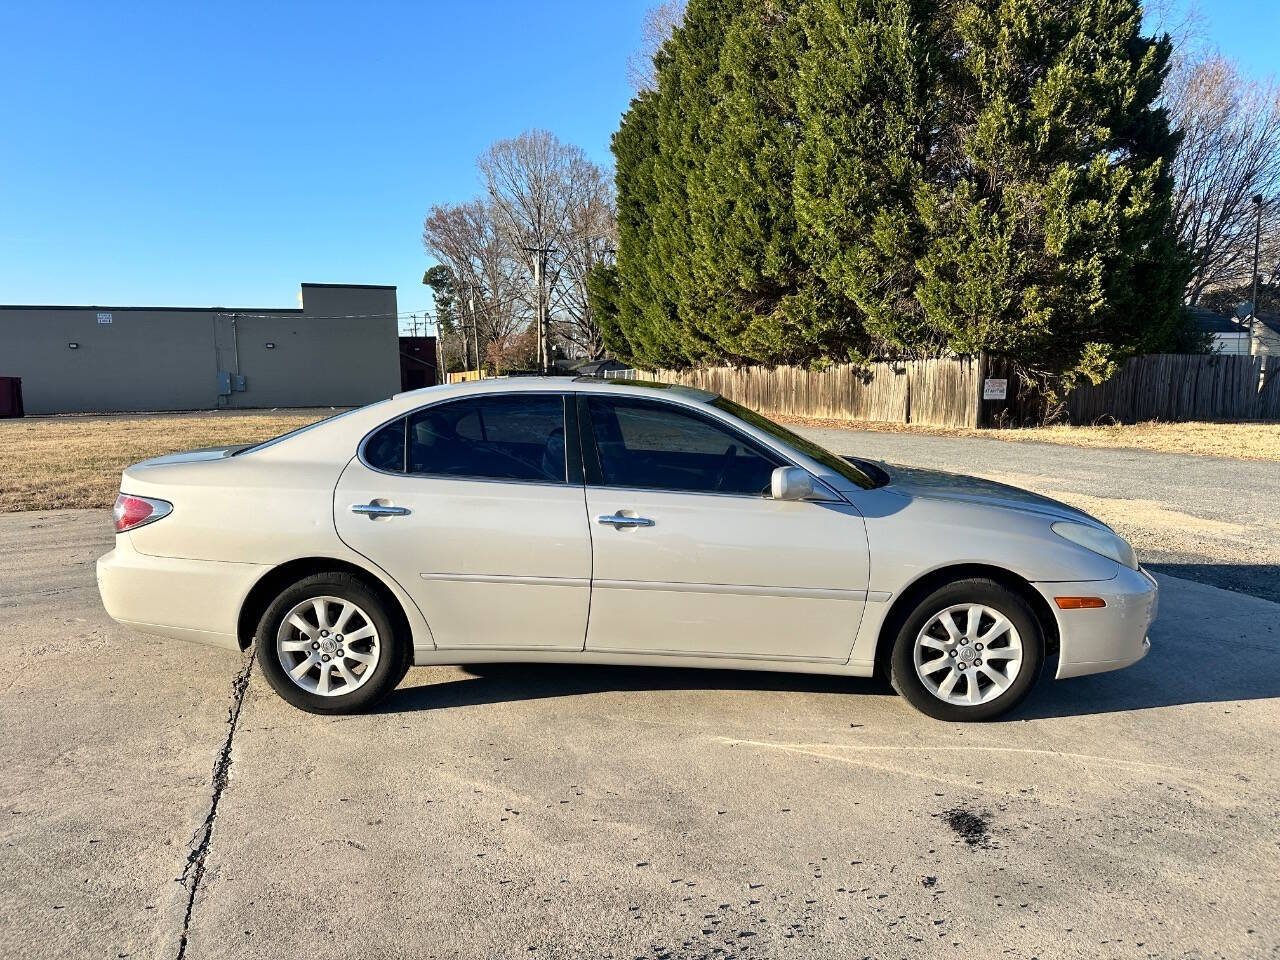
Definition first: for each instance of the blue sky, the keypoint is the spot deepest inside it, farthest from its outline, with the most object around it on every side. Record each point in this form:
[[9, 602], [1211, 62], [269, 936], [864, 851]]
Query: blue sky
[[221, 154]]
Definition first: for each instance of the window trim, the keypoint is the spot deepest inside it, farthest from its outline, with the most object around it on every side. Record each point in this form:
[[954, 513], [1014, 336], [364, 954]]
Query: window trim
[[573, 457], [594, 474]]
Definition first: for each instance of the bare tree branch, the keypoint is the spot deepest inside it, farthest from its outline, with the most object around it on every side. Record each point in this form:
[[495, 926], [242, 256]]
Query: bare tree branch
[[659, 23], [1230, 152]]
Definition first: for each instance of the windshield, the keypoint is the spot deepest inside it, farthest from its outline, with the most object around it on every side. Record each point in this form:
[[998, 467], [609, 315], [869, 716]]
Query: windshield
[[837, 465]]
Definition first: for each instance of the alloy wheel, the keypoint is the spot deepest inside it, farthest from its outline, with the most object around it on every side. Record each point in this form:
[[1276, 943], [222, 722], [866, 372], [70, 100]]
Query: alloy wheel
[[328, 646], [967, 654]]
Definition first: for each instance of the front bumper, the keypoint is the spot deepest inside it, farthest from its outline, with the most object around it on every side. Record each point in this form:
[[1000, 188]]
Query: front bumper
[[1106, 638], [196, 600]]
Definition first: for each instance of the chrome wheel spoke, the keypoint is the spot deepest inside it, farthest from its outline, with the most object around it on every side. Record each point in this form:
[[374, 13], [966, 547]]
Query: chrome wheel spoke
[[326, 671], [948, 684], [973, 696], [997, 629], [322, 613], [347, 675], [995, 676], [298, 623], [949, 624], [344, 616], [301, 669], [295, 646], [364, 633], [1002, 653], [360, 657], [933, 643], [972, 619], [933, 666]]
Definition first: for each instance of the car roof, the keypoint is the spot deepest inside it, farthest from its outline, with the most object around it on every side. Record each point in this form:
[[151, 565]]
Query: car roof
[[580, 384]]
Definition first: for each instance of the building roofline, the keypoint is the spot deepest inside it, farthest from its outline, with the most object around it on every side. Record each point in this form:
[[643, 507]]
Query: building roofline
[[91, 306], [281, 310], [354, 286]]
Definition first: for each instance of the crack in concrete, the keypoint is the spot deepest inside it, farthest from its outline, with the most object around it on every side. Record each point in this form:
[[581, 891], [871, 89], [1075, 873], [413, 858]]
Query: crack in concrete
[[193, 871]]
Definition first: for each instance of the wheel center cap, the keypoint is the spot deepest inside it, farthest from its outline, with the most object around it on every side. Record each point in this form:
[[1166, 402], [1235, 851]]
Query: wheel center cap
[[328, 645], [967, 654]]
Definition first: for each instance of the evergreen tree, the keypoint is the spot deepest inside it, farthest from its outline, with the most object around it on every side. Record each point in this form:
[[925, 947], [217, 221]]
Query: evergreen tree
[[866, 108], [826, 179], [1047, 220]]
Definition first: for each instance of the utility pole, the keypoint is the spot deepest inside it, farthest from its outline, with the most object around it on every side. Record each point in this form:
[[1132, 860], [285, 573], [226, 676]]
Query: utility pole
[[544, 333], [442, 363], [475, 332], [1257, 244], [463, 299]]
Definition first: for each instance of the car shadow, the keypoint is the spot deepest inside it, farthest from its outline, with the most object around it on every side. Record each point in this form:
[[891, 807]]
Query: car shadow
[[509, 682], [1208, 646], [1256, 579]]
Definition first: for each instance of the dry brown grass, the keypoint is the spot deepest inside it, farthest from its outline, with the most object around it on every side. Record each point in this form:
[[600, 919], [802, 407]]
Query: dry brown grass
[[1243, 441], [51, 463]]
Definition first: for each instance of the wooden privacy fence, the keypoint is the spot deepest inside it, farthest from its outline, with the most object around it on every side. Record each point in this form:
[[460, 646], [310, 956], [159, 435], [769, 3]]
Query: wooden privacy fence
[[948, 392], [1171, 386], [940, 392]]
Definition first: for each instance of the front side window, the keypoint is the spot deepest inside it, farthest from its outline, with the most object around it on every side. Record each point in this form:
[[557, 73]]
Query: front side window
[[837, 465], [660, 446], [517, 437]]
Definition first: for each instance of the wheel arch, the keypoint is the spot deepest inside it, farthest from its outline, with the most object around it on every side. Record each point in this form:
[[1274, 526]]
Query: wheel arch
[[271, 583], [918, 589]]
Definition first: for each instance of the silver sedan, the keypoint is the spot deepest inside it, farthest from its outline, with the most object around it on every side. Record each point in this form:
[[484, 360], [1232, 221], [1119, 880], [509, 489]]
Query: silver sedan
[[587, 521]]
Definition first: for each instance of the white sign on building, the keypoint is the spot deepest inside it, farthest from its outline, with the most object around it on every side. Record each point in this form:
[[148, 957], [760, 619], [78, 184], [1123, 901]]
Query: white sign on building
[[104, 318]]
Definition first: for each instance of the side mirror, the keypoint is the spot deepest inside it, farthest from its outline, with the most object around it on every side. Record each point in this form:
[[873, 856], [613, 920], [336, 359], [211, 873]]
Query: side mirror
[[791, 483]]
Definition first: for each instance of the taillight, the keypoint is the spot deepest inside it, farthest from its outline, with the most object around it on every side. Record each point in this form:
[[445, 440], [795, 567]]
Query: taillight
[[131, 512]]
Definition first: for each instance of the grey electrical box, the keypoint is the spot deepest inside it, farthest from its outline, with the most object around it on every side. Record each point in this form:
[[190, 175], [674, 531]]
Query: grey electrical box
[[237, 383], [224, 383]]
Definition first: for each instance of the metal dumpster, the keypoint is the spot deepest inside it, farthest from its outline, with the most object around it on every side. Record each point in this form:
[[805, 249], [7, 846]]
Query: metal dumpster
[[10, 396]]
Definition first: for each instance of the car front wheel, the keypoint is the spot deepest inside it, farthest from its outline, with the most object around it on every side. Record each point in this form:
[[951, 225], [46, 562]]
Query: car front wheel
[[327, 645], [970, 650]]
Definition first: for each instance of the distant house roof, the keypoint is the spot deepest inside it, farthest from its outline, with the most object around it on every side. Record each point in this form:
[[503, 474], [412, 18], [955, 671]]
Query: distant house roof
[[1207, 321], [598, 368]]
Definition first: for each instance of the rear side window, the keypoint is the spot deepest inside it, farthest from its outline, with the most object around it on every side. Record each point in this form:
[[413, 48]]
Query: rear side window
[[659, 446], [385, 449], [518, 437]]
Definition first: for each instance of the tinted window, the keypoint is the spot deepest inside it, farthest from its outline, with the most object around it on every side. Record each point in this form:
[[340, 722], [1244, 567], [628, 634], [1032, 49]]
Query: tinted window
[[659, 446], [385, 449], [514, 437]]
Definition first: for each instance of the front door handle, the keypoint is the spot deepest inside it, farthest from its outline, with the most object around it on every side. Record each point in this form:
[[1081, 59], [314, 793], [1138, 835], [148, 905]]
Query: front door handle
[[373, 510], [620, 520]]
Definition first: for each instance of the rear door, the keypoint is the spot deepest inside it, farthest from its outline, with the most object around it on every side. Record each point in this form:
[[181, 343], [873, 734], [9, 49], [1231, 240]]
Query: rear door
[[475, 507], [691, 557]]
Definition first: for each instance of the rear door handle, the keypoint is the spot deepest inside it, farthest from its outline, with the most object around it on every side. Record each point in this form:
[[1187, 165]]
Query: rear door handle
[[619, 520], [379, 510]]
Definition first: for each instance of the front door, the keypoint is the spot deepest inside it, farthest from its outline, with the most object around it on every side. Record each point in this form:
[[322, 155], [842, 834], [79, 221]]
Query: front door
[[471, 506], [692, 557]]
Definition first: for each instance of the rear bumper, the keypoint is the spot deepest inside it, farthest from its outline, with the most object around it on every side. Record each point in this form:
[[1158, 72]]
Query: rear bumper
[[194, 600], [1108, 638]]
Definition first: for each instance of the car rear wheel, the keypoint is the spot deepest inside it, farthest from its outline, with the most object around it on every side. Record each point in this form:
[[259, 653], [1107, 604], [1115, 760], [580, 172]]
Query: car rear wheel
[[970, 650], [327, 644]]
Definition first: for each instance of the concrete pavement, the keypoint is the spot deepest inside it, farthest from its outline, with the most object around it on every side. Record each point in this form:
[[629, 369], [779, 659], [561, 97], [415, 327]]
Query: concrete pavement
[[594, 812]]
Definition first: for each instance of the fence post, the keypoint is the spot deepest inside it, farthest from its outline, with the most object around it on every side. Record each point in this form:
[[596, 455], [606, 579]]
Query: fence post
[[977, 403]]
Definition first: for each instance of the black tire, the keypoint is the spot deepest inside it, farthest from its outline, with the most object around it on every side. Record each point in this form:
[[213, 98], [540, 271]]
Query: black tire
[[1008, 603], [393, 661]]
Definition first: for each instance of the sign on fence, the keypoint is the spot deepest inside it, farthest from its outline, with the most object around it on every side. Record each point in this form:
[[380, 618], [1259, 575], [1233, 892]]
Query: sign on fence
[[993, 389]]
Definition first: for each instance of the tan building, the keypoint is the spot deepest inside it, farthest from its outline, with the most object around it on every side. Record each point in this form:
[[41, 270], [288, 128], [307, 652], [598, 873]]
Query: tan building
[[339, 348]]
